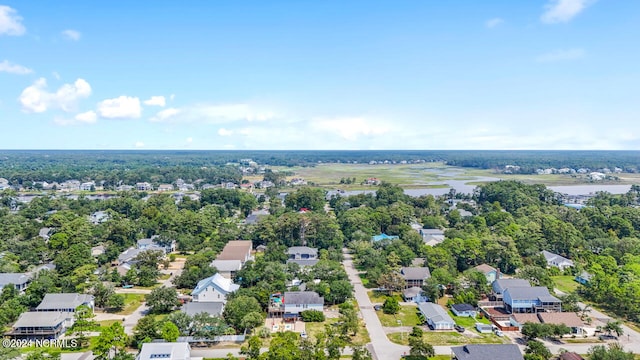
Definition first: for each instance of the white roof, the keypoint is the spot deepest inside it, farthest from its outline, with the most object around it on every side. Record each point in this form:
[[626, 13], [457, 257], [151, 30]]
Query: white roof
[[223, 284], [166, 351]]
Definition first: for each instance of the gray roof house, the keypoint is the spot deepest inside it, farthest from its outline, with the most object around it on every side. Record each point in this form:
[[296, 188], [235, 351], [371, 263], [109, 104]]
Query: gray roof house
[[302, 255], [530, 299], [297, 301], [556, 260], [500, 285], [19, 280], [44, 233], [65, 302], [99, 217], [213, 289], [487, 352], [166, 351], [37, 325], [432, 237], [152, 243], [130, 254], [227, 268], [436, 316], [211, 308], [415, 276]]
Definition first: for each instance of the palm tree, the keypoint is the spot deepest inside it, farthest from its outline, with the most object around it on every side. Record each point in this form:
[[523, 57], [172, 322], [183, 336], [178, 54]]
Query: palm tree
[[614, 326]]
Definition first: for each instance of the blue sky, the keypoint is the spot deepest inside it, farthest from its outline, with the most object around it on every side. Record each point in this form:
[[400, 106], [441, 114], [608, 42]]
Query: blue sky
[[547, 74]]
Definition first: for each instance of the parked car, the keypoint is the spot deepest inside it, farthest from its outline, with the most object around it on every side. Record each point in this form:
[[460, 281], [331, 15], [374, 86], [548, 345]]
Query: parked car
[[303, 335], [377, 307], [499, 333], [459, 328]]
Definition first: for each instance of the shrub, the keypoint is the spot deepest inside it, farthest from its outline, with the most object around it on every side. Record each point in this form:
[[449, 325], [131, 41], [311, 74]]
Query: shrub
[[312, 316], [390, 306]]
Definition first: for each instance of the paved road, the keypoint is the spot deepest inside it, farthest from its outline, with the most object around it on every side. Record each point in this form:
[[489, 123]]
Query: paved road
[[383, 349]]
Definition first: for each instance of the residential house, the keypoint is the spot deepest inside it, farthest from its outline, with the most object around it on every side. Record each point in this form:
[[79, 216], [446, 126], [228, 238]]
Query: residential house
[[237, 250], [144, 186], [19, 280], [555, 260], [466, 310], [255, 216], [211, 308], [88, 186], [500, 285], [486, 352], [384, 236], [296, 302], [372, 181], [165, 187], [414, 276], [518, 320], [125, 188], [436, 316], [98, 217], [432, 237], [37, 325], [583, 278], [227, 268], [97, 250], [166, 351], [70, 185], [570, 356], [65, 302], [128, 256], [491, 273], [152, 244], [530, 299], [213, 289], [302, 255], [484, 328], [569, 319], [45, 233], [414, 294]]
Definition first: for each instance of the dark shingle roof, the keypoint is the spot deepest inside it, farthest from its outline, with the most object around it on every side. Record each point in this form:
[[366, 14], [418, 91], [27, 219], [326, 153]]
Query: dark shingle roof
[[302, 297], [463, 307], [415, 273]]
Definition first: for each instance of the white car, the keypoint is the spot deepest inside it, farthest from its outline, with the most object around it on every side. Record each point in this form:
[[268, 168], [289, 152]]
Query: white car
[[499, 333], [303, 335]]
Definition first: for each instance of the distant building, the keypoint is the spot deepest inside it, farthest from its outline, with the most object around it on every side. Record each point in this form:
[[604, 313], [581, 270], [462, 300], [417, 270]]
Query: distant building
[[302, 255], [432, 237], [384, 236], [213, 289], [165, 187], [144, 186], [584, 278], [166, 351], [98, 217], [19, 280], [415, 276], [211, 308], [237, 250], [227, 268], [555, 260], [491, 273], [487, 352]]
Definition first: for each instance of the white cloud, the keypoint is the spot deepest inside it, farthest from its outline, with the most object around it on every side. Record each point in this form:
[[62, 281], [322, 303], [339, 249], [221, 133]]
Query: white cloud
[[36, 98], [139, 144], [165, 115], [123, 107], [561, 55], [491, 23], [56, 75], [560, 11], [225, 132], [189, 140], [10, 22], [10, 68], [350, 128], [156, 101], [214, 114], [88, 117], [73, 35]]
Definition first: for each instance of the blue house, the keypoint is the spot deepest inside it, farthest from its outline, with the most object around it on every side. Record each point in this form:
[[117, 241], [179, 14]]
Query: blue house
[[583, 278], [492, 274], [384, 236], [531, 299], [466, 310]]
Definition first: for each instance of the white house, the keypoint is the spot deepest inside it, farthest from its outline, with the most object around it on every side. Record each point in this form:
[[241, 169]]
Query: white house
[[555, 260], [436, 316], [214, 289], [166, 351], [296, 302]]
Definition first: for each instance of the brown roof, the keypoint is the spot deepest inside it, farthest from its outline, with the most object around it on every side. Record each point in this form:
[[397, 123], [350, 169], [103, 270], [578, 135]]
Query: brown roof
[[484, 268], [525, 318], [571, 356], [567, 318], [236, 250]]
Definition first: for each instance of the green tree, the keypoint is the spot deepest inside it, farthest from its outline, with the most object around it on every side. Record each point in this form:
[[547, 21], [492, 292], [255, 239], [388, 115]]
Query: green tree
[[238, 307], [252, 349], [390, 305], [170, 332], [116, 302], [614, 327], [83, 323], [111, 342], [536, 348], [614, 351], [162, 300], [146, 330]]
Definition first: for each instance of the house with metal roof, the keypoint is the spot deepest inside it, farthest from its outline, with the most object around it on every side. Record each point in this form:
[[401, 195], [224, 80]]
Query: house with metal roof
[[65, 302], [487, 352], [500, 285], [211, 308], [555, 260], [213, 289], [491, 273], [436, 316], [530, 299], [39, 325], [227, 268], [465, 310], [414, 276]]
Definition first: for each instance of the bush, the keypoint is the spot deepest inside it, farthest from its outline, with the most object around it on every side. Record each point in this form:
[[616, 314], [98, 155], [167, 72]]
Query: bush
[[312, 316], [391, 306]]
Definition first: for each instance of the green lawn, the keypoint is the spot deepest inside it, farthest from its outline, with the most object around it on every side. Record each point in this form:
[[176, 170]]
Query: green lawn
[[379, 297], [131, 303], [565, 283], [361, 338], [468, 322], [408, 315], [448, 338]]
